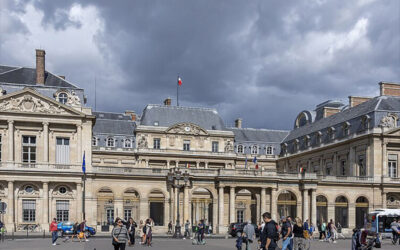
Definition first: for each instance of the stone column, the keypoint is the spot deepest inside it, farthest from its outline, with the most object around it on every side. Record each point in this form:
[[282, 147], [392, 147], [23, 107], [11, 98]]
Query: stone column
[[306, 213], [171, 204], [197, 164], [45, 216], [79, 197], [144, 208], [274, 206], [258, 209], [221, 210], [79, 142], [268, 202], [313, 206], [166, 211], [185, 203], [206, 164], [384, 199], [263, 201], [232, 205], [331, 211], [176, 193], [119, 208], [215, 215], [197, 211], [45, 142], [352, 215], [11, 140], [10, 207]]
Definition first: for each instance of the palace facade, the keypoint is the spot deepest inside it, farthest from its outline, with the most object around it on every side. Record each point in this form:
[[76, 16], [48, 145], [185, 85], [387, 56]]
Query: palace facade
[[338, 162]]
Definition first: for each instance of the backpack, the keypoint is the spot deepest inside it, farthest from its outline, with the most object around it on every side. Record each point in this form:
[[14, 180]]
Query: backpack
[[144, 229], [275, 233]]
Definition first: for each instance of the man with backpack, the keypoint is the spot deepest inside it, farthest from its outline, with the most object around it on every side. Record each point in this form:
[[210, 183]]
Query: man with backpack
[[270, 234]]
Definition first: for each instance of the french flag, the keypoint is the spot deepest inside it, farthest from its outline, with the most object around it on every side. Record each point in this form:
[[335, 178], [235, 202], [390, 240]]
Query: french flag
[[255, 162], [179, 81]]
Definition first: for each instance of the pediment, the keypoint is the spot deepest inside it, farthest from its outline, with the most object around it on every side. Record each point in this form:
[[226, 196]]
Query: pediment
[[186, 129], [30, 101]]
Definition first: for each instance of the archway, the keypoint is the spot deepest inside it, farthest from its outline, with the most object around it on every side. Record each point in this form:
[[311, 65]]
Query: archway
[[322, 209], [245, 206], [202, 206], [156, 203], [287, 204], [361, 211], [105, 206], [131, 204], [342, 211]]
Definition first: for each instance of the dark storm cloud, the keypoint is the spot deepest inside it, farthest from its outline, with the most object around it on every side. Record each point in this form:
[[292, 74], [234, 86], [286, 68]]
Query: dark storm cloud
[[264, 61]]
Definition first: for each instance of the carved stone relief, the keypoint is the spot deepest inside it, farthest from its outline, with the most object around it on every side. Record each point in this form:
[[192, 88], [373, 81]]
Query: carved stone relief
[[388, 121], [229, 147], [187, 129], [73, 100], [142, 142], [29, 103]]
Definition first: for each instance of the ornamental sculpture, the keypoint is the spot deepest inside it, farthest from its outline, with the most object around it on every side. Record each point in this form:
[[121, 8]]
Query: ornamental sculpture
[[73, 99], [142, 143], [229, 147], [388, 121], [187, 129], [28, 103]]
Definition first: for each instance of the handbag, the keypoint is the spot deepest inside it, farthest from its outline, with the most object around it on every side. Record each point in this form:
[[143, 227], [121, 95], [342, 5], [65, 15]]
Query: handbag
[[115, 243]]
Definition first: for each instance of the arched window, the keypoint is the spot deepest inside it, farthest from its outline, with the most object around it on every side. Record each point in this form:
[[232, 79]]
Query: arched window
[[63, 98], [342, 211], [254, 150], [269, 150], [127, 143], [94, 141], [240, 149], [110, 142]]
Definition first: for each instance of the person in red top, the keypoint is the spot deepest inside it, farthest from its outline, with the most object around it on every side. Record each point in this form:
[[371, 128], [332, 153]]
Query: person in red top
[[53, 230]]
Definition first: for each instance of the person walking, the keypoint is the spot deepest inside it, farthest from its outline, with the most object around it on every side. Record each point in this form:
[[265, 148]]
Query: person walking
[[75, 232], [248, 234], [200, 232], [82, 229], [170, 227], [333, 231], [142, 231], [53, 230], [323, 228], [270, 235], [187, 232], [311, 231], [339, 231], [395, 231], [298, 239], [286, 232], [120, 236], [131, 230], [149, 232]]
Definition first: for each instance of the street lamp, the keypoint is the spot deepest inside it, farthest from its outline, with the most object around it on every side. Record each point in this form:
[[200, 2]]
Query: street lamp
[[175, 176]]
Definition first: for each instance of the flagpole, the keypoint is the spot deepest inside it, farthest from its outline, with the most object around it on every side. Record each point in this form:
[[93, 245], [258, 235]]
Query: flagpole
[[177, 91], [84, 187]]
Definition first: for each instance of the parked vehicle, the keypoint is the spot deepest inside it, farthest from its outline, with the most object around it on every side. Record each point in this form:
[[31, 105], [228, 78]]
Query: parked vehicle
[[235, 229], [67, 227], [381, 219]]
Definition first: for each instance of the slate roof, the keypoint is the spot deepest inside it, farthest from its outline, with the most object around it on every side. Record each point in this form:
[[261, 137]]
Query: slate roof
[[258, 135], [113, 123], [166, 116], [387, 103], [27, 76]]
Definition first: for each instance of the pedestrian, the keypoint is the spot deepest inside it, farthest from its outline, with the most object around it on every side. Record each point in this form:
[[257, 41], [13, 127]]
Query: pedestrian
[[82, 229], [187, 232], [131, 230], [355, 239], [323, 228], [286, 232], [306, 225], [149, 231], [248, 234], [339, 231], [239, 242], [170, 227], [333, 232], [270, 233], [298, 232], [53, 230], [142, 230], [395, 231], [200, 232], [120, 236], [311, 230], [291, 223], [75, 229]]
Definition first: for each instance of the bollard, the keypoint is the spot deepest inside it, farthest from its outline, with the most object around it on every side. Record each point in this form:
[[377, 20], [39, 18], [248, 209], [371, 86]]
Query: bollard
[[44, 233], [13, 235], [27, 235]]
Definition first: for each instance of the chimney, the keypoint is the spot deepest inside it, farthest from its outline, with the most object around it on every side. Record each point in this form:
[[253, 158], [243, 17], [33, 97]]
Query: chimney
[[63, 77], [238, 123], [131, 113], [356, 100], [328, 111], [390, 88], [167, 102], [40, 66]]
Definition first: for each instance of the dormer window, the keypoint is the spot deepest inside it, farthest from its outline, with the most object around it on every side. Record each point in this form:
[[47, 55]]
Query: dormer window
[[346, 129], [296, 145], [63, 98], [254, 149], [240, 149], [307, 140], [269, 150], [94, 141], [110, 142], [331, 133], [318, 136], [127, 143], [284, 148], [365, 122]]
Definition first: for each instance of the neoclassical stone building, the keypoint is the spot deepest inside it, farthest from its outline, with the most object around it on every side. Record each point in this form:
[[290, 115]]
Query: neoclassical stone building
[[339, 161]]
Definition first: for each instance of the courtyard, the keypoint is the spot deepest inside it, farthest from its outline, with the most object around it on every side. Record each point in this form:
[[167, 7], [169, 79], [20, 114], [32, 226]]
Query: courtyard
[[158, 243]]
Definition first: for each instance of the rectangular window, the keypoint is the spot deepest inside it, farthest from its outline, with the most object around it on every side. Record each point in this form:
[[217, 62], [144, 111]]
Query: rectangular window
[[240, 149], [29, 149], [62, 208], [62, 150], [342, 170], [215, 145], [127, 214], [392, 166], [329, 169], [156, 143], [239, 216], [28, 210], [186, 145], [110, 216], [362, 168]]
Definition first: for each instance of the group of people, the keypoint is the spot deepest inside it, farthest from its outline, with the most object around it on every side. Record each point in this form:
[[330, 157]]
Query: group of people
[[330, 232], [124, 232], [78, 231]]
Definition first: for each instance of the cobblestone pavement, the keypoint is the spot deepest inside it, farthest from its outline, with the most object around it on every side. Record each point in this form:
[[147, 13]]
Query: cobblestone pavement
[[164, 244]]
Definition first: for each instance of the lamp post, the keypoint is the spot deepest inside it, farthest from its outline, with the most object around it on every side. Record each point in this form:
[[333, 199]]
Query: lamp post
[[175, 176]]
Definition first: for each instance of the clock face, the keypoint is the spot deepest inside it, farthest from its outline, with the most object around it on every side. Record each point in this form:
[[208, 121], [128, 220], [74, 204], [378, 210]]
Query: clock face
[[187, 129]]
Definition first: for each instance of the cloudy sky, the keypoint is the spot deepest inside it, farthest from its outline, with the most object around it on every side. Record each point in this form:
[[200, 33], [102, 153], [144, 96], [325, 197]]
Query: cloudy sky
[[263, 61]]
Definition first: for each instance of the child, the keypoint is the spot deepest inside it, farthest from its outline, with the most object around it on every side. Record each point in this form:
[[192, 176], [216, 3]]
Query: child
[[239, 242]]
